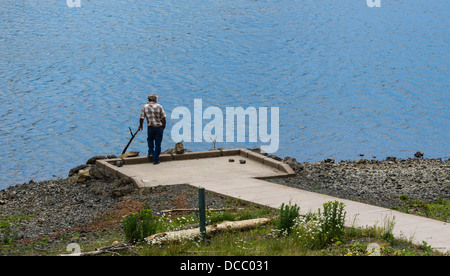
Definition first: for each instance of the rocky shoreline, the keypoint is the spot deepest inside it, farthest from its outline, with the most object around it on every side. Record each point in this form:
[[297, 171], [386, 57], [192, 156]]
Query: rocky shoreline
[[87, 201], [88, 197], [381, 183]]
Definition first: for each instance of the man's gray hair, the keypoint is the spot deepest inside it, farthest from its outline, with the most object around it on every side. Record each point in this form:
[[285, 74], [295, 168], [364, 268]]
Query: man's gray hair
[[151, 97]]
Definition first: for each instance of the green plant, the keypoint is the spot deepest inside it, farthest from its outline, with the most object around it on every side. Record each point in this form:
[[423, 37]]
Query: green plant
[[131, 228], [138, 226], [332, 222], [219, 217], [148, 223], [7, 232], [404, 197], [306, 230], [428, 251], [387, 230], [439, 209], [287, 216]]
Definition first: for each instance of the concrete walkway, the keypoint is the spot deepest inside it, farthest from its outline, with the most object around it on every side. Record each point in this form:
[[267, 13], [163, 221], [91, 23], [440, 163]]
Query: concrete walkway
[[414, 228], [213, 171]]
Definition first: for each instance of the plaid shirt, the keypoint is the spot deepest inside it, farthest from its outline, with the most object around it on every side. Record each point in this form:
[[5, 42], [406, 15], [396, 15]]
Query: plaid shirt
[[154, 113]]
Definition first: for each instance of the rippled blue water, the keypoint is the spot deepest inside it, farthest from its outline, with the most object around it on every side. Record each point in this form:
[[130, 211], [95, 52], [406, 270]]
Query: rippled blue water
[[348, 79]]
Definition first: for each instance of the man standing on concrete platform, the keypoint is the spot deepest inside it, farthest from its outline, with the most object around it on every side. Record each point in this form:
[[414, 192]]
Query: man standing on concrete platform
[[156, 123]]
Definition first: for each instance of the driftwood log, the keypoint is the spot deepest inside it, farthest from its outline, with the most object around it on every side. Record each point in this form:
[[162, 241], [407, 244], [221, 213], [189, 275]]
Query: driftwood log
[[106, 249], [190, 234], [175, 236]]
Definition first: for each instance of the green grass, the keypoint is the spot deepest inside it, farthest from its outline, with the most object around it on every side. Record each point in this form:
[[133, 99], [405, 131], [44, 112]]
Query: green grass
[[439, 210], [267, 241], [8, 226], [263, 240]]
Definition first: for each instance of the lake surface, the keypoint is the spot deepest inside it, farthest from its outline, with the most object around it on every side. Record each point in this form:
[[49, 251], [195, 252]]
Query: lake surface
[[347, 79]]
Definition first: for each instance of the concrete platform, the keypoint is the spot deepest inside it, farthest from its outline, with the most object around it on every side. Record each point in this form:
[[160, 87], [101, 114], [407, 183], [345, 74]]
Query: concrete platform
[[213, 171], [195, 167]]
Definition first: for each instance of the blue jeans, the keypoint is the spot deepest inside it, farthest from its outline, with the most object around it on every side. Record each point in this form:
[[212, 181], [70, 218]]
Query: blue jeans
[[154, 139]]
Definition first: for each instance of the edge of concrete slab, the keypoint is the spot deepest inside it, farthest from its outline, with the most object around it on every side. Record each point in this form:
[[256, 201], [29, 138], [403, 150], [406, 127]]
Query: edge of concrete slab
[[266, 160], [109, 165]]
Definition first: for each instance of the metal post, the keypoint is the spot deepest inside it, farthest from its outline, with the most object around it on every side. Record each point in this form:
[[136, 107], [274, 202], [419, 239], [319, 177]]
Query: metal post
[[202, 212]]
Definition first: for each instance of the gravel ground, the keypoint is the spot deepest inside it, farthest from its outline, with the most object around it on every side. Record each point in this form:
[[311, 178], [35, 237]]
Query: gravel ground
[[81, 204], [374, 182], [64, 207]]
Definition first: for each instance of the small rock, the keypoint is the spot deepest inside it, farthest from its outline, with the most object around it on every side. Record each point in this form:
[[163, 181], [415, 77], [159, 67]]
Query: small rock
[[122, 187], [96, 173], [179, 148], [419, 154], [83, 175], [391, 159], [10, 195], [76, 169], [92, 160], [290, 160]]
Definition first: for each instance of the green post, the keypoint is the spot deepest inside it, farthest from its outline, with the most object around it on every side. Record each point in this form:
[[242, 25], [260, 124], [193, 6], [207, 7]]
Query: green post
[[202, 212]]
